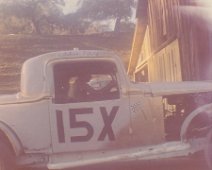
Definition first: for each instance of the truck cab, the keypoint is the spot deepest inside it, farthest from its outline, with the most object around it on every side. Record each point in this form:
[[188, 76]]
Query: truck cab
[[78, 108]]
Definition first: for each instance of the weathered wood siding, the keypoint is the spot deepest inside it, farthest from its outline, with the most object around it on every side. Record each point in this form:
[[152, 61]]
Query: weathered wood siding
[[141, 73], [191, 59], [163, 22], [165, 64], [194, 46]]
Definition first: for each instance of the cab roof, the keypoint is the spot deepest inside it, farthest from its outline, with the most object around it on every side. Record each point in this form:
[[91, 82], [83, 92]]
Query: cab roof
[[33, 74]]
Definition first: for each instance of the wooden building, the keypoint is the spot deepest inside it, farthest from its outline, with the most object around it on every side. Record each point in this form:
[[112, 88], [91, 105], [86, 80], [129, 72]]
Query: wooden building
[[169, 44]]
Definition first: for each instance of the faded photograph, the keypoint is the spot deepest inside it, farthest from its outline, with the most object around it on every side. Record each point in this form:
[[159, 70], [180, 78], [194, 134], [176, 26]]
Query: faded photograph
[[105, 84]]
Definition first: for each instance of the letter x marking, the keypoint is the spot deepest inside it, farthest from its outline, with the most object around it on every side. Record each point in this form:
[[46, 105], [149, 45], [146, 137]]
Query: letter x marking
[[108, 120]]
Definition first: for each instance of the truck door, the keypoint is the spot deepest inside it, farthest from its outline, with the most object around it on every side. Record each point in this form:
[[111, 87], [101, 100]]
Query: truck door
[[88, 111], [147, 119]]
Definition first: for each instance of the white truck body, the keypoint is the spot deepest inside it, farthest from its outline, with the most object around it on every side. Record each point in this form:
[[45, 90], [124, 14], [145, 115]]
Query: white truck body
[[128, 125]]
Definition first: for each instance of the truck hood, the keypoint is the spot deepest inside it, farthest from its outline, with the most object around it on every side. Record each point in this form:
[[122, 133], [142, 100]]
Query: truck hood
[[151, 89], [173, 88]]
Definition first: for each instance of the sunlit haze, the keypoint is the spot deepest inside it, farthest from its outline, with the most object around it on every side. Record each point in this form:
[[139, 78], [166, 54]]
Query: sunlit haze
[[71, 6], [203, 11]]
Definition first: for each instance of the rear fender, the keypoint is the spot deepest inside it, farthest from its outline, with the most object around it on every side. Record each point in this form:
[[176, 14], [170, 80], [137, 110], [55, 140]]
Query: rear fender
[[206, 109], [10, 137]]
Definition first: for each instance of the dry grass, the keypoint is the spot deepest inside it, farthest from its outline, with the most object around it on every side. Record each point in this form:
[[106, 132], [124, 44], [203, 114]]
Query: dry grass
[[15, 49]]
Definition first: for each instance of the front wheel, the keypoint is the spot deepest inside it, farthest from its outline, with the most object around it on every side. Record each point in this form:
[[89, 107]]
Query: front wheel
[[208, 150], [7, 161]]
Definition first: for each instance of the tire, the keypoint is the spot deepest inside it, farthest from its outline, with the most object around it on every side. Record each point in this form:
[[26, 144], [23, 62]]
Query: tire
[[208, 150], [7, 161]]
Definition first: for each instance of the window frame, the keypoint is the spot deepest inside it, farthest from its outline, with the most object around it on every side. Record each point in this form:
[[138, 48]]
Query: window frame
[[71, 62]]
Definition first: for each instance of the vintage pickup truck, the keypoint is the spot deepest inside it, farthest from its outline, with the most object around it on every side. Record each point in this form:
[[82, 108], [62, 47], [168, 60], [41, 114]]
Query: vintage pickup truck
[[78, 108]]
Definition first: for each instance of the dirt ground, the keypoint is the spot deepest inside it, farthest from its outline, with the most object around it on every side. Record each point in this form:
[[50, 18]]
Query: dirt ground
[[15, 49]]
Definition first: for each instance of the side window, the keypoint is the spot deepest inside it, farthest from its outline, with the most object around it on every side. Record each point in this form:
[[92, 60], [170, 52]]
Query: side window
[[85, 81]]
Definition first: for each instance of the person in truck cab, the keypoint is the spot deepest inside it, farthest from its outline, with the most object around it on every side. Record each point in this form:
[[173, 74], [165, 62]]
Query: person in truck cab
[[90, 87], [83, 90]]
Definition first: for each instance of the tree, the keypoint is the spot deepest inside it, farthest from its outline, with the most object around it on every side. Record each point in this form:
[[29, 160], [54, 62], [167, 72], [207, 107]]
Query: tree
[[37, 11], [106, 9], [44, 16]]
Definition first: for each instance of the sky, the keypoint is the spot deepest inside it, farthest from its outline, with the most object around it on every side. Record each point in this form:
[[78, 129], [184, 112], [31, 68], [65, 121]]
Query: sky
[[71, 6]]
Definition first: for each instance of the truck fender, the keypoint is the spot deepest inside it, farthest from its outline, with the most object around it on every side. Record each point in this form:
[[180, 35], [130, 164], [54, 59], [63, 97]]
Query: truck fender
[[10, 137], [206, 109]]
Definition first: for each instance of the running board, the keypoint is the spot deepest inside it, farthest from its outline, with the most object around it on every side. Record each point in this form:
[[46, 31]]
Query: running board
[[162, 151]]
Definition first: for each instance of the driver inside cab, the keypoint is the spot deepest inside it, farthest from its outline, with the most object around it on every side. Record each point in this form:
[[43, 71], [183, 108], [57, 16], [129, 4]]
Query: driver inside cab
[[82, 89]]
